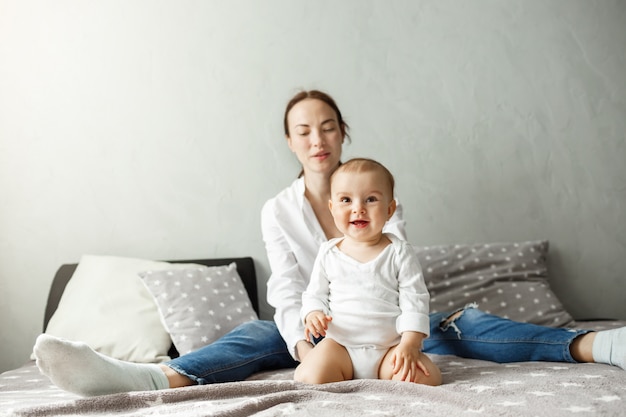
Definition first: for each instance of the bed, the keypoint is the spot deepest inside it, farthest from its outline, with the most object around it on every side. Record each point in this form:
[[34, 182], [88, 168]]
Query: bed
[[509, 279]]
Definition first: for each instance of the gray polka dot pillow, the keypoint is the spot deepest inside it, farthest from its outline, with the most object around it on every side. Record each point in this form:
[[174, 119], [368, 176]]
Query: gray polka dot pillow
[[199, 305], [506, 279]]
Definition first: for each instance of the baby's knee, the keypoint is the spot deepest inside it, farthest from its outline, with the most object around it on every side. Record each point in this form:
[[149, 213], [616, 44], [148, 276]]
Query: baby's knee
[[298, 375], [434, 379], [307, 375]]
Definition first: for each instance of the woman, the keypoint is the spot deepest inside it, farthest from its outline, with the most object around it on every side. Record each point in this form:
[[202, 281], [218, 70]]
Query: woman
[[294, 224]]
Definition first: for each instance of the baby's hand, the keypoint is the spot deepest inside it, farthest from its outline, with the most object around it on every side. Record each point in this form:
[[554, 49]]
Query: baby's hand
[[407, 357], [409, 367], [316, 324]]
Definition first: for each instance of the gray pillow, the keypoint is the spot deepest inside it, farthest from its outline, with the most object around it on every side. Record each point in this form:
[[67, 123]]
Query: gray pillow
[[506, 279], [199, 305]]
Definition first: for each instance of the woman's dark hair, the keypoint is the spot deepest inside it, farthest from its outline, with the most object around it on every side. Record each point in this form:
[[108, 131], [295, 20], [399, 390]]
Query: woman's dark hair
[[317, 95]]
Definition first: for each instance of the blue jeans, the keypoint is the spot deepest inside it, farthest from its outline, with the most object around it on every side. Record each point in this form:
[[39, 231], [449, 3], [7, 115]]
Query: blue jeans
[[257, 346], [475, 334], [250, 347]]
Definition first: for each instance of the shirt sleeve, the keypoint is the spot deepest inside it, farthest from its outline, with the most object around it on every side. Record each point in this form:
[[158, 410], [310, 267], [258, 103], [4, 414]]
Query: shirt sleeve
[[414, 298], [286, 283], [316, 295], [396, 224]]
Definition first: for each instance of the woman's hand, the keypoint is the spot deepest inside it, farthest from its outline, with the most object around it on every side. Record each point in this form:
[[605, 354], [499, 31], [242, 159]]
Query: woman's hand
[[406, 358], [316, 324]]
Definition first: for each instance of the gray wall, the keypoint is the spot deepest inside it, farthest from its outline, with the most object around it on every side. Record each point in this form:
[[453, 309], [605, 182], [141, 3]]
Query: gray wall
[[153, 129]]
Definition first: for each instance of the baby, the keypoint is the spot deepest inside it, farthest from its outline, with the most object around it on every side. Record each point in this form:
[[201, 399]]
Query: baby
[[367, 295]]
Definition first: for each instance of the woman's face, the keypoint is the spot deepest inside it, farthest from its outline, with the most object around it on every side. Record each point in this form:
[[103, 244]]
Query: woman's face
[[315, 136]]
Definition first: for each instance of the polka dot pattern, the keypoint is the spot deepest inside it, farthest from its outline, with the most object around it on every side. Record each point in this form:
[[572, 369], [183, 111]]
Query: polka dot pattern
[[199, 305], [505, 279]]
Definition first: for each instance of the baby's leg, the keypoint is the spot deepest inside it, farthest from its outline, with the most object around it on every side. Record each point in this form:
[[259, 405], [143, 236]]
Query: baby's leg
[[327, 362], [386, 370]]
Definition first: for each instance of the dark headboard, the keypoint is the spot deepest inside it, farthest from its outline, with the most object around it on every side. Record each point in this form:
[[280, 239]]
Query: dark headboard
[[245, 269]]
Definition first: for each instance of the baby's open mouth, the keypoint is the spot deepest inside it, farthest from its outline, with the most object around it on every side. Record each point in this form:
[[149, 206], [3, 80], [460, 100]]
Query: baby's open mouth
[[359, 223]]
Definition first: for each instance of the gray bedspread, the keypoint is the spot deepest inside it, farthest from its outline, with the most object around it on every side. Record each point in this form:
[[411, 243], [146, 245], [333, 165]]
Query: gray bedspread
[[471, 387]]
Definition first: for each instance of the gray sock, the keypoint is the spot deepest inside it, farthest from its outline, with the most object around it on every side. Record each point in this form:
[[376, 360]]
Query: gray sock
[[75, 367], [609, 347]]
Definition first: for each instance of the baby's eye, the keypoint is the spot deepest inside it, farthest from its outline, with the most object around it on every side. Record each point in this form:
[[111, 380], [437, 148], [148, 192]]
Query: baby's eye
[[344, 199], [371, 199]]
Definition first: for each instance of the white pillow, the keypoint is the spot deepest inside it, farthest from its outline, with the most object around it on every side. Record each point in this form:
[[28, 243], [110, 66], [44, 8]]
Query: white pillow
[[107, 306]]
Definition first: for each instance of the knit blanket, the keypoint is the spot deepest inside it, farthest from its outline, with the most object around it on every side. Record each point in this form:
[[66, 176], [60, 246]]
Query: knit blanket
[[471, 387]]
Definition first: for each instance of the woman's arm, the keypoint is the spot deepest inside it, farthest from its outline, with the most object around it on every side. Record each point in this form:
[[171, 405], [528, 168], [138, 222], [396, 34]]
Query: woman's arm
[[286, 283]]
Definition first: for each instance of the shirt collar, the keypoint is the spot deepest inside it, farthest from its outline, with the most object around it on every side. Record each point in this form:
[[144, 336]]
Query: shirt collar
[[299, 188], [308, 216]]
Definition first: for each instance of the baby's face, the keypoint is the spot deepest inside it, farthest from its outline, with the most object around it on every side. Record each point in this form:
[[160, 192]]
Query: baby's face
[[361, 203]]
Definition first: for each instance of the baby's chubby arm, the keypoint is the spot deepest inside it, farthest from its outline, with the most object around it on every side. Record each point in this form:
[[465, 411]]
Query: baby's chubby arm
[[316, 324]]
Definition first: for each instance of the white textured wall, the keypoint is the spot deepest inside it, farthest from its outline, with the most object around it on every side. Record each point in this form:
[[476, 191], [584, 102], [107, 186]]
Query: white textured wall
[[153, 129]]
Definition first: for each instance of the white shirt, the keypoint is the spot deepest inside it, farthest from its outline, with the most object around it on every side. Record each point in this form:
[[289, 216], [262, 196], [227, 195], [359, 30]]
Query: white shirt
[[292, 237], [372, 303]]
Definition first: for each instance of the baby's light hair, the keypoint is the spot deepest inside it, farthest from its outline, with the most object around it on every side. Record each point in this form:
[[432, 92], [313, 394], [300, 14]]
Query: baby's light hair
[[364, 165]]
